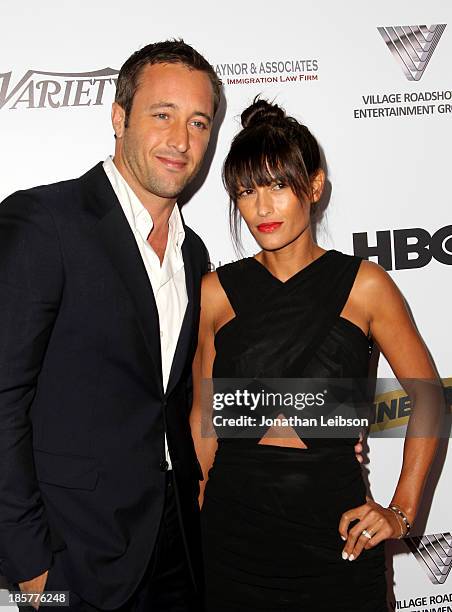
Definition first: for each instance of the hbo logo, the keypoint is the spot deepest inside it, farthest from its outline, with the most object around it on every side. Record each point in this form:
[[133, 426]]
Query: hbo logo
[[409, 248]]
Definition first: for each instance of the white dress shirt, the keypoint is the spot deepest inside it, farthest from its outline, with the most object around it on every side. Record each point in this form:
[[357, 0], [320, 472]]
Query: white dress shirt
[[168, 279]]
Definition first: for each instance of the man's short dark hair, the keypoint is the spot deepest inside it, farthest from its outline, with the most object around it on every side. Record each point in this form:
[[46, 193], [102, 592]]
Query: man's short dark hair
[[166, 52]]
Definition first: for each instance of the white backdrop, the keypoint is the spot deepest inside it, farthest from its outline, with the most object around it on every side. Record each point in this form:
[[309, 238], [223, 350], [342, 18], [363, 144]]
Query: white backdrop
[[385, 173]]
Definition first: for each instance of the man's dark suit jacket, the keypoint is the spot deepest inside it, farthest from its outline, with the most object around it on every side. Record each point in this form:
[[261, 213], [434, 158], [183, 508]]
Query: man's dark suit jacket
[[82, 406]]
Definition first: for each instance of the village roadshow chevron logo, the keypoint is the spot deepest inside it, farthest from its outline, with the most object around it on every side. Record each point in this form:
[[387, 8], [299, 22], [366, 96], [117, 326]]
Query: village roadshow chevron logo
[[434, 553], [412, 46]]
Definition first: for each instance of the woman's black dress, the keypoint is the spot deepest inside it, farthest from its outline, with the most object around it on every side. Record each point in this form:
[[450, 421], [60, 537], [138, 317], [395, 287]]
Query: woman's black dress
[[271, 514]]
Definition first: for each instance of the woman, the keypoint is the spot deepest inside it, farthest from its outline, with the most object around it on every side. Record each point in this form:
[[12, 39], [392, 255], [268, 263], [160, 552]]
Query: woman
[[286, 522]]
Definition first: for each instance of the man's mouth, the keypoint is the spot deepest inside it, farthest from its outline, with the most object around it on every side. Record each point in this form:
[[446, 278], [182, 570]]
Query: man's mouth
[[172, 163]]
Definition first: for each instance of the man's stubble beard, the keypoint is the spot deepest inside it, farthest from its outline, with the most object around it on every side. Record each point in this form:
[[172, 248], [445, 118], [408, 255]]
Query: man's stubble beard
[[152, 182], [163, 188]]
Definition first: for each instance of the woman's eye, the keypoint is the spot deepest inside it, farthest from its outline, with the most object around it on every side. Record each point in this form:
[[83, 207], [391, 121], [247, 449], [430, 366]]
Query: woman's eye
[[245, 192], [278, 186]]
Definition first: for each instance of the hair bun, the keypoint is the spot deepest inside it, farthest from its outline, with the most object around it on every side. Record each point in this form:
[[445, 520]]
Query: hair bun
[[262, 111]]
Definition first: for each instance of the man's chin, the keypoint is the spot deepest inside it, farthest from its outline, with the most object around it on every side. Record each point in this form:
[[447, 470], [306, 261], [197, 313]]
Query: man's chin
[[168, 190]]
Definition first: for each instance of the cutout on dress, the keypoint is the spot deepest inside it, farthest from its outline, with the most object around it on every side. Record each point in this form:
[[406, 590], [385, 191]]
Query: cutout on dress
[[280, 435]]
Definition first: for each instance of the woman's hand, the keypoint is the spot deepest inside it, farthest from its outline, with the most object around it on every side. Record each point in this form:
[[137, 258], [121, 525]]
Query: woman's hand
[[377, 522]]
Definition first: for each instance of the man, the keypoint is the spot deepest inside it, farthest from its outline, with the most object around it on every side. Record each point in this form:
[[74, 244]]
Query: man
[[99, 308]]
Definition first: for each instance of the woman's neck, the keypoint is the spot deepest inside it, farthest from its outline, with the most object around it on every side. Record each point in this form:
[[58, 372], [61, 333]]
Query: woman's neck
[[284, 263]]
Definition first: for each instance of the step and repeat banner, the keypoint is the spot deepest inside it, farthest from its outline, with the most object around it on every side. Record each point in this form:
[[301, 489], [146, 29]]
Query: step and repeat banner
[[373, 83]]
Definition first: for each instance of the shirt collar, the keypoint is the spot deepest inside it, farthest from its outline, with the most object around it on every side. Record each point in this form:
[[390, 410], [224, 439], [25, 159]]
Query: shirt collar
[[139, 218]]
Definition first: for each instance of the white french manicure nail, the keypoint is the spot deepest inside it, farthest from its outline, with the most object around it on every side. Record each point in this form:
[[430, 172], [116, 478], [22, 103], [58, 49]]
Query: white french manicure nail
[[344, 555], [351, 557], [344, 538]]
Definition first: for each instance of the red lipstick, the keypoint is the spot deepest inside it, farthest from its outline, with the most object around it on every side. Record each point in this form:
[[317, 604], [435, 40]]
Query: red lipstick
[[268, 228]]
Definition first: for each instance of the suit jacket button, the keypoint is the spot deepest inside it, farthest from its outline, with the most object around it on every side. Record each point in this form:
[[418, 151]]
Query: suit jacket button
[[164, 465]]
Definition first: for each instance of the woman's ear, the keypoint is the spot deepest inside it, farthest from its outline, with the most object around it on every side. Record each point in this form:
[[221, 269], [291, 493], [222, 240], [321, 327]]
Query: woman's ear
[[317, 185]]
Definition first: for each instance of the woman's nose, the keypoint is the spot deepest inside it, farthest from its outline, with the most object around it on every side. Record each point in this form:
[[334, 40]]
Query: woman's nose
[[264, 204]]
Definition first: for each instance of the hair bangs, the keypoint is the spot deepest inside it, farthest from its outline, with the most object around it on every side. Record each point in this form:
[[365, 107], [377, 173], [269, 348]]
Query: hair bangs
[[260, 160]]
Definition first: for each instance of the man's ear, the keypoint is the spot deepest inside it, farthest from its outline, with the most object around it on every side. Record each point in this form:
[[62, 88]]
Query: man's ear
[[118, 119], [317, 185]]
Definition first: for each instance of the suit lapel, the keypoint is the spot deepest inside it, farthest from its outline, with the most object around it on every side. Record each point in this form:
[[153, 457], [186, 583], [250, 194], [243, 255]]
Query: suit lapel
[[120, 246], [185, 336]]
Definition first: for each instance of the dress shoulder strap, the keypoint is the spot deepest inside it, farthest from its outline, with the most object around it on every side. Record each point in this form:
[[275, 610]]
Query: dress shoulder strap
[[324, 287], [238, 283], [341, 277]]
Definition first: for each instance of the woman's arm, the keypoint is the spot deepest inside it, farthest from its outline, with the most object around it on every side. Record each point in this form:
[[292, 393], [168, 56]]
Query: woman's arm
[[200, 418], [398, 339]]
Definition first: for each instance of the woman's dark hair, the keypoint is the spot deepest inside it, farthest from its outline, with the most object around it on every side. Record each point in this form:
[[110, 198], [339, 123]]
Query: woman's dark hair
[[165, 52], [271, 147]]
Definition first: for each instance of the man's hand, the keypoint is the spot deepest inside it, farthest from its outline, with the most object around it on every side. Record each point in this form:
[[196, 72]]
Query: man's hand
[[36, 585], [359, 451]]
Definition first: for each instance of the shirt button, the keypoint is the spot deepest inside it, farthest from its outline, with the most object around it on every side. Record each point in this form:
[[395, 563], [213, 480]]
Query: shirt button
[[164, 465]]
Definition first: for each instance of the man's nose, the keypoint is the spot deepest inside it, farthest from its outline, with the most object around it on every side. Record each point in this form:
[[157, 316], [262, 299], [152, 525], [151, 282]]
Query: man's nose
[[178, 137]]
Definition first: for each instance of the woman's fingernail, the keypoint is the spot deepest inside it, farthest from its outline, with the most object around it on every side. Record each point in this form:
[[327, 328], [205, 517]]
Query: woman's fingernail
[[343, 537], [344, 555], [351, 557]]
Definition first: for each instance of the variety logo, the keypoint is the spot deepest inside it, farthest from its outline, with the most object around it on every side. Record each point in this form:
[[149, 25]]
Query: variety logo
[[412, 46], [406, 248], [434, 553], [37, 89]]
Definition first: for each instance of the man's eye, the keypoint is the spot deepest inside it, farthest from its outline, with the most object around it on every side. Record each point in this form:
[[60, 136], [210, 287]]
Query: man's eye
[[161, 115], [200, 125]]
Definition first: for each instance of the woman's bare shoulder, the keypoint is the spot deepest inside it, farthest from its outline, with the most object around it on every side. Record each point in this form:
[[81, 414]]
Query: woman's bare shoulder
[[377, 293], [213, 297], [210, 286], [374, 279]]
